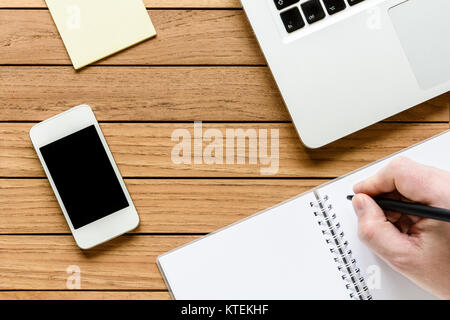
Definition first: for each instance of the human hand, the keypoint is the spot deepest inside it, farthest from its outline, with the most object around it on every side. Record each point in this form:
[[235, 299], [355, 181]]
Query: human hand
[[416, 247]]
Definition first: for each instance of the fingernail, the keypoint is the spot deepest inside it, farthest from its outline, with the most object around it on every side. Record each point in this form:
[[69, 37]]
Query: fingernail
[[358, 204]]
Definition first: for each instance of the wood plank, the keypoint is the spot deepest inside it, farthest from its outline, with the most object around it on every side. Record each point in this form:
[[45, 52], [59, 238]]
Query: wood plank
[[144, 150], [148, 4], [84, 295], [125, 263], [433, 110], [160, 94], [184, 37], [164, 206], [147, 93]]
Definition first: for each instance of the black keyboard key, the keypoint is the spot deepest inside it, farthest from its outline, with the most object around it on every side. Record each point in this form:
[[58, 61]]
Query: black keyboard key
[[292, 19], [334, 6], [281, 4], [353, 2], [313, 11]]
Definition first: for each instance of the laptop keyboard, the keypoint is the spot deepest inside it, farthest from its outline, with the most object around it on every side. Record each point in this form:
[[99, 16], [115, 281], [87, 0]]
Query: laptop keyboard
[[313, 11]]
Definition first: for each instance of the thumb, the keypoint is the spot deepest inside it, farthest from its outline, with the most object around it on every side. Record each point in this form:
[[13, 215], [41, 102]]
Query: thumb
[[380, 235]]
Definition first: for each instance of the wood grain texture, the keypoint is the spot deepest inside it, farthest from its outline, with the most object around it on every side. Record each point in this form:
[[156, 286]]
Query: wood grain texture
[[184, 37], [125, 263], [160, 94], [164, 206], [148, 93], [203, 65], [84, 295], [144, 150], [437, 109], [148, 4]]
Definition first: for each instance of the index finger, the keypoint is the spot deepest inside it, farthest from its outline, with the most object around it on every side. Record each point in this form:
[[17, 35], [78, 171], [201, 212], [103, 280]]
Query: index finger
[[414, 181]]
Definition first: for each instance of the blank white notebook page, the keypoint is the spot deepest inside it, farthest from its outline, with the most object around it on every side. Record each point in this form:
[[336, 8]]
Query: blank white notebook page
[[390, 284], [277, 254]]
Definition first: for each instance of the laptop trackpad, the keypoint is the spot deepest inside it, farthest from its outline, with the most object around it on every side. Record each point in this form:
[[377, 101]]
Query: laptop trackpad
[[423, 28]]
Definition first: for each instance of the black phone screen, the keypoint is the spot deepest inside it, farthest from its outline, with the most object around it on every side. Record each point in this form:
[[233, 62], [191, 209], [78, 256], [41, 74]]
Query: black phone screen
[[84, 177]]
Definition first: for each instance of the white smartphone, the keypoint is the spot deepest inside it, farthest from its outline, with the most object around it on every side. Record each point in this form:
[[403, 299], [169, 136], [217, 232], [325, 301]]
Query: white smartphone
[[84, 176]]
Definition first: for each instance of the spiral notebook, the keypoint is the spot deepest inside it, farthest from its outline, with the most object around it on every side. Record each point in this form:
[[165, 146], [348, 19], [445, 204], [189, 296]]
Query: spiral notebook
[[304, 248]]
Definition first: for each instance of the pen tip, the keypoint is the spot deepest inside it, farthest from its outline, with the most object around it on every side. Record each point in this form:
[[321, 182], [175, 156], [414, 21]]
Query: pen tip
[[349, 197]]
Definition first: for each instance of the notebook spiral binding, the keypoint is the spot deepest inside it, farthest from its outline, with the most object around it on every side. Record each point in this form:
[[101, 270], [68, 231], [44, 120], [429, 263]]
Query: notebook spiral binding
[[346, 264]]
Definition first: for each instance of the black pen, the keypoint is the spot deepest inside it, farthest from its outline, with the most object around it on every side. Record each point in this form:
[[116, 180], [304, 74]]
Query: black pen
[[414, 209]]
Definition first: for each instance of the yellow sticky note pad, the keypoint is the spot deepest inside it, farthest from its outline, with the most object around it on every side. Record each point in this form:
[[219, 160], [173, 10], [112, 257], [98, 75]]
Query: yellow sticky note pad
[[94, 29]]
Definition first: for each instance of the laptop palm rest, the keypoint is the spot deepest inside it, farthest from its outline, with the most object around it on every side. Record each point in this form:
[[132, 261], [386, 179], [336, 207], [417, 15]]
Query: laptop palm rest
[[423, 30]]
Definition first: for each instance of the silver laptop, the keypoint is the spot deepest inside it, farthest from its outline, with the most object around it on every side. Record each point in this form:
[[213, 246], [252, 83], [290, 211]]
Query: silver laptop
[[342, 65]]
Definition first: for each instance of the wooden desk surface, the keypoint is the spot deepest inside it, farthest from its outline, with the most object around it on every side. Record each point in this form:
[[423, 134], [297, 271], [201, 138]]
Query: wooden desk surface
[[204, 65]]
